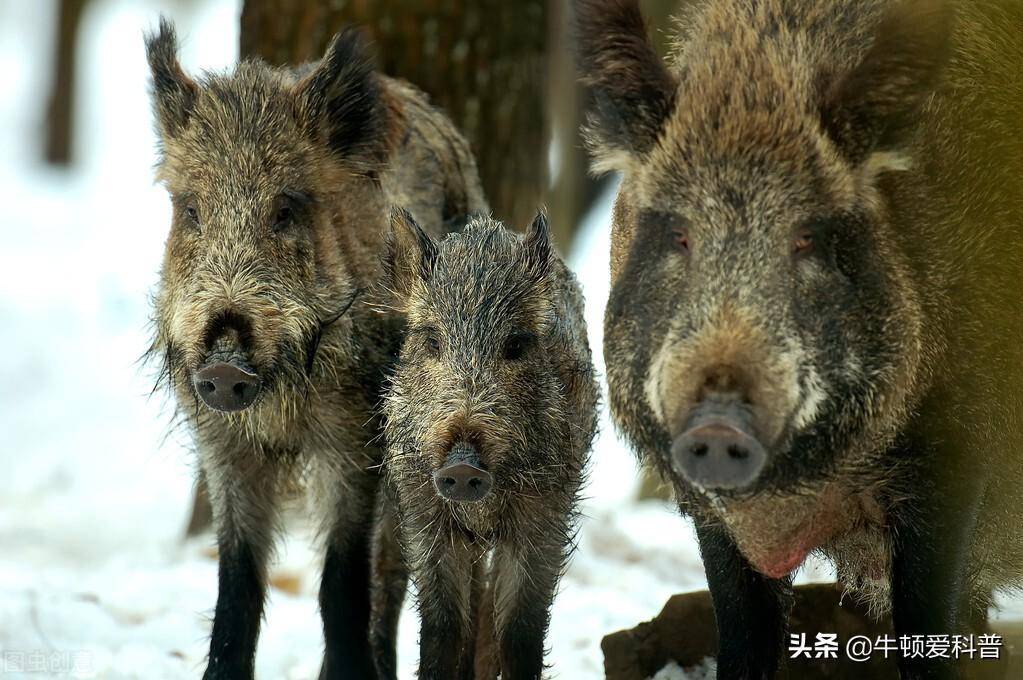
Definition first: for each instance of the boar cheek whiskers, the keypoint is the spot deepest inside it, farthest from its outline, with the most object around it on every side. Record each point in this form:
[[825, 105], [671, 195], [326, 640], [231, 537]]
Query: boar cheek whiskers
[[323, 325]]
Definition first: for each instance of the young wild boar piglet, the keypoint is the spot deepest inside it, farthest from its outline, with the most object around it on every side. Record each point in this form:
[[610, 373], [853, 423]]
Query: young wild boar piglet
[[489, 419], [281, 183], [815, 316]]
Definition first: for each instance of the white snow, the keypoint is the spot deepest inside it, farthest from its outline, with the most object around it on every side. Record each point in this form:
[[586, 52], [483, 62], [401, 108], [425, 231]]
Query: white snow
[[673, 671], [94, 579]]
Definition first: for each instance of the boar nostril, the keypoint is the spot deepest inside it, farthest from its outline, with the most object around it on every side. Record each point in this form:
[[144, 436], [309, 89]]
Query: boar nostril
[[737, 453], [699, 450]]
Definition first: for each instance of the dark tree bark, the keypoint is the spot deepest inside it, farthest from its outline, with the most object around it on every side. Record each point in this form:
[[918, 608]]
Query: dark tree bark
[[574, 190]]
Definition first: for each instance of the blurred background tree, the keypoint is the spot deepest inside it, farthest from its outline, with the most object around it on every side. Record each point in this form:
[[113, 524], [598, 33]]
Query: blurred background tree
[[59, 113]]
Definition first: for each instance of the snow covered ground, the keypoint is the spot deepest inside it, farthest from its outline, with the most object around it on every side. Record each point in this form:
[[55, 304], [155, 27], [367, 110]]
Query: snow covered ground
[[94, 578]]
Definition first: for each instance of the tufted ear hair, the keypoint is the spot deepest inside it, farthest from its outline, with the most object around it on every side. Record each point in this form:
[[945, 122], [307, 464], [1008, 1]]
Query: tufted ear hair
[[537, 244], [341, 102], [875, 106], [411, 254], [173, 91], [632, 89]]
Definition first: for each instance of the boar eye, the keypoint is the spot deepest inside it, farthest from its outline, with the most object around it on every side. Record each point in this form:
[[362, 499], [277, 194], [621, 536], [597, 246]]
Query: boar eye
[[516, 346], [192, 212], [431, 342], [681, 239], [284, 216], [668, 225], [290, 207], [803, 243]]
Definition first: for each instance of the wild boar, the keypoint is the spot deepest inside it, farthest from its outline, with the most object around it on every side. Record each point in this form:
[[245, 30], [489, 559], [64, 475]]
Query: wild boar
[[814, 321], [490, 414]]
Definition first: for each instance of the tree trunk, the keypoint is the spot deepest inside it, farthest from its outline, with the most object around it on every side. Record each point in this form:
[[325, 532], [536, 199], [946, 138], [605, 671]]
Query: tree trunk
[[575, 191], [60, 105]]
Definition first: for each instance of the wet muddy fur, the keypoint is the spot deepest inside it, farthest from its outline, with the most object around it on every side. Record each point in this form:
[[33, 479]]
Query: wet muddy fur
[[490, 414]]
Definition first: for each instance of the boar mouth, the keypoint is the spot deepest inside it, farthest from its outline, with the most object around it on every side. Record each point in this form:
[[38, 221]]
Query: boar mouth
[[250, 384]]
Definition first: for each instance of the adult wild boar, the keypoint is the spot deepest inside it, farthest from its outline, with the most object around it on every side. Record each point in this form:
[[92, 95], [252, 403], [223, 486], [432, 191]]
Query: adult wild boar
[[814, 322], [282, 183]]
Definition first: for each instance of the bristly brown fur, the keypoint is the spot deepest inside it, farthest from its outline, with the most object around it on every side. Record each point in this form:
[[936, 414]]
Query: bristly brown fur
[[282, 182], [880, 362], [346, 99], [877, 103], [497, 357]]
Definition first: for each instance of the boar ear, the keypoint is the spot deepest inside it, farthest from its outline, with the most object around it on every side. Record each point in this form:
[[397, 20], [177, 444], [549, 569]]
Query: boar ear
[[411, 253], [874, 107], [538, 245], [173, 92], [341, 102], [632, 90]]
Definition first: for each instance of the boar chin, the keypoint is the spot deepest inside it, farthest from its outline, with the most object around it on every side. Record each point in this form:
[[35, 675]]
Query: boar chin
[[777, 532]]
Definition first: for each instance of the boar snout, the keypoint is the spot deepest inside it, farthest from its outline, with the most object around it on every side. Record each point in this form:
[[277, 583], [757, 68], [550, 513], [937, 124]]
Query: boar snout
[[718, 449], [226, 386], [226, 381], [463, 478]]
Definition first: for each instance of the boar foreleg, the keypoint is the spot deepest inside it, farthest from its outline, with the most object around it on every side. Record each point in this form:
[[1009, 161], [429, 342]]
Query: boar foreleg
[[526, 578], [751, 609], [444, 582], [242, 491], [932, 536], [389, 581], [345, 586]]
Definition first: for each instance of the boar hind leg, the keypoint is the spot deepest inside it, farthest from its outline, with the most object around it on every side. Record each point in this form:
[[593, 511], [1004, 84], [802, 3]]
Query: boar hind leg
[[526, 577], [244, 504], [387, 594], [345, 588], [751, 609], [932, 536]]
